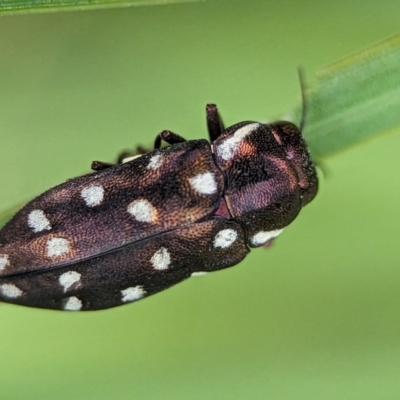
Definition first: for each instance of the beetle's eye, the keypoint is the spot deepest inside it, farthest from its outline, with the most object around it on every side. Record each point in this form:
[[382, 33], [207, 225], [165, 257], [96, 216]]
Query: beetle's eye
[[287, 128]]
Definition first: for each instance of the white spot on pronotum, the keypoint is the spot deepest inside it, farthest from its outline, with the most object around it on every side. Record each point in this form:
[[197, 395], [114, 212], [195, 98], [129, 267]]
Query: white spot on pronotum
[[161, 259], [132, 293], [68, 279], [225, 238], [93, 195], [155, 161], [200, 273], [263, 237], [57, 247], [11, 291], [72, 304], [4, 261], [38, 221], [227, 149], [204, 183], [142, 210]]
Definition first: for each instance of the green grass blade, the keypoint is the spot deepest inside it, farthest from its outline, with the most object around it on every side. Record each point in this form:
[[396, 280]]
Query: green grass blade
[[354, 99], [34, 6]]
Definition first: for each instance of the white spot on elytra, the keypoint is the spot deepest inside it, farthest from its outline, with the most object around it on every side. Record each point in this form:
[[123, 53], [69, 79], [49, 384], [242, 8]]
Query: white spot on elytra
[[68, 279], [57, 247], [225, 238], [4, 261], [228, 147], [11, 291], [93, 195], [204, 183], [161, 259], [263, 237], [200, 273], [38, 221], [72, 304], [155, 161], [142, 210], [132, 293]]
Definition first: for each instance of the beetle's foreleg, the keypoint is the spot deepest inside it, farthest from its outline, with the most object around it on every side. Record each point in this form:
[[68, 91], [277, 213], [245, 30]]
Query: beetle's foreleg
[[215, 125]]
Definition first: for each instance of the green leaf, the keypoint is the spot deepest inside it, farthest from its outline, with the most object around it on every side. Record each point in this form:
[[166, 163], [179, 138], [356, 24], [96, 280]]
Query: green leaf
[[34, 6], [355, 99]]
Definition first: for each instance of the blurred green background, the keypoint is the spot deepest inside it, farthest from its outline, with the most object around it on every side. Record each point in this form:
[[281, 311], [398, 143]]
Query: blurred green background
[[315, 317]]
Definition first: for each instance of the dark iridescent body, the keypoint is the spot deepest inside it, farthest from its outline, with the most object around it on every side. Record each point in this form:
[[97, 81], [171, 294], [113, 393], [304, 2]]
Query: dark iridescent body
[[130, 230]]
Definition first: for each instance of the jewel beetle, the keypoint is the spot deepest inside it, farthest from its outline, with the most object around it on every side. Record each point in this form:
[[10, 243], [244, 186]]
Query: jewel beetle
[[127, 231]]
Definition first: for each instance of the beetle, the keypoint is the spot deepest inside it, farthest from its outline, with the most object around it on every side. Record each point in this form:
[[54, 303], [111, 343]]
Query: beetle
[[130, 230]]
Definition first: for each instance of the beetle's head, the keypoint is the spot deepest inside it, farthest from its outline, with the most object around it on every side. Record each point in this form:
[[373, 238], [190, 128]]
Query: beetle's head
[[292, 143], [269, 174]]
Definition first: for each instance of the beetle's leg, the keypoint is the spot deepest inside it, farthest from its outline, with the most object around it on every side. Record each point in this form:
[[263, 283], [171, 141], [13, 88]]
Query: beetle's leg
[[169, 137], [139, 150], [215, 125], [100, 165], [122, 157]]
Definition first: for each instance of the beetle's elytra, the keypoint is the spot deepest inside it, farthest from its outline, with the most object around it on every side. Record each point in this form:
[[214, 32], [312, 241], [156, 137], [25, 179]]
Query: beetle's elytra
[[127, 231]]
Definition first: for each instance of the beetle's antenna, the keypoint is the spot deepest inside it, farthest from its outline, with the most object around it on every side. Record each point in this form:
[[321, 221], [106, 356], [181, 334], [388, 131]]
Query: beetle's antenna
[[303, 88]]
